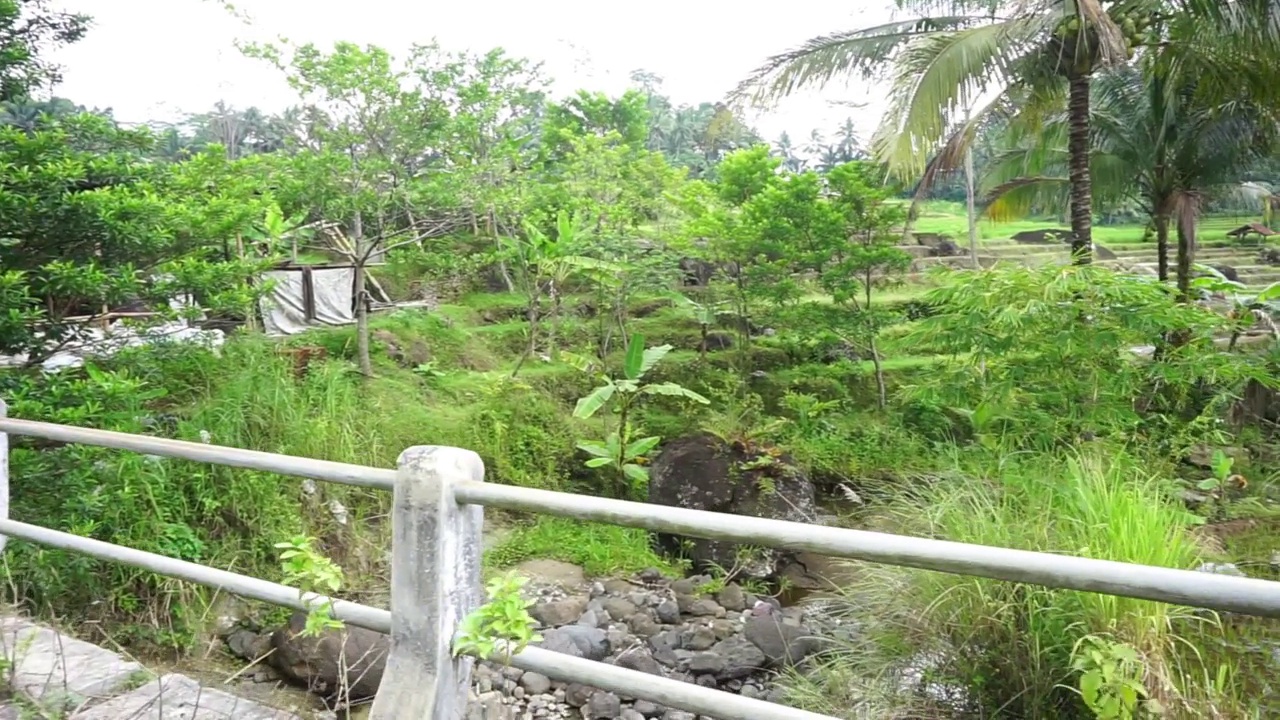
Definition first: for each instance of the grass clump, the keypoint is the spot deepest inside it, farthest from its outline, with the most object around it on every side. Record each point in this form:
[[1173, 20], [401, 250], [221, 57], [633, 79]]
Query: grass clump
[[599, 549], [1009, 647]]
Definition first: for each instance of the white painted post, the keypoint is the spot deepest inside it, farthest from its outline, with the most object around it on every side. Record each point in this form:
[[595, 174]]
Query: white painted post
[[4, 474], [435, 582]]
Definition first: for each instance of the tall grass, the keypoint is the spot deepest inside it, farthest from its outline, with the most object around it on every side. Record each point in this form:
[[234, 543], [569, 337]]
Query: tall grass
[[1002, 649]]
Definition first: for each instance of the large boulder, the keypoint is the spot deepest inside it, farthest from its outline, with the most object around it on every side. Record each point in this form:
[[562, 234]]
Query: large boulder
[[344, 664], [703, 472], [696, 272]]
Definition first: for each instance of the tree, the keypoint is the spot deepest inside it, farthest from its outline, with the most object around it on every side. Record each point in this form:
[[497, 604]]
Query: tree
[[1158, 140], [28, 30], [865, 249], [89, 224], [374, 133], [940, 64]]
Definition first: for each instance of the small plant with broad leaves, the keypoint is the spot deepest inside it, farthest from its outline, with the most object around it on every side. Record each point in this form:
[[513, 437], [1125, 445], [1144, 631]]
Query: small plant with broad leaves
[[503, 625], [620, 449], [312, 572], [1111, 680]]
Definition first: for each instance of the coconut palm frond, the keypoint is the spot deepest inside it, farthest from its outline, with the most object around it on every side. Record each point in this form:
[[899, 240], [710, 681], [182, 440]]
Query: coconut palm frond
[[844, 54], [936, 77], [1016, 198]]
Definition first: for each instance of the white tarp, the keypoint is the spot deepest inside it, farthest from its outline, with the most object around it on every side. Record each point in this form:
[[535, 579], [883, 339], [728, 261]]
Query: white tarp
[[284, 310]]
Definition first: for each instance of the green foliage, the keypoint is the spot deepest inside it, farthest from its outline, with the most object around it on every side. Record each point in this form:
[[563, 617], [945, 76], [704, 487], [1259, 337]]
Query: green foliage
[[501, 627], [87, 222], [621, 450], [1013, 330], [29, 28], [1111, 675], [311, 572]]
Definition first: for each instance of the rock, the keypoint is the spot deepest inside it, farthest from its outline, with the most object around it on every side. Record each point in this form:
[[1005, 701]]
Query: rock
[[247, 644], [703, 472], [1221, 569], [668, 613], [731, 598], [946, 248], [603, 706], [644, 626], [647, 709], [706, 662], [618, 608], [782, 644], [578, 641], [552, 573], [630, 714], [678, 715], [535, 683], [706, 607], [639, 659], [577, 695], [180, 697], [1103, 253], [349, 660], [559, 612], [1275, 560], [697, 638], [741, 658], [1048, 236]]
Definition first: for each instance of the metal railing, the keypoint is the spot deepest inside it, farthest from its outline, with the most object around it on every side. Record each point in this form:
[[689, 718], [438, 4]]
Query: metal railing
[[439, 494]]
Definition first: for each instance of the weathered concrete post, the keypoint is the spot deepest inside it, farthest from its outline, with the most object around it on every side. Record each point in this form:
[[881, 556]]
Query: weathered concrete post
[[435, 582], [4, 474]]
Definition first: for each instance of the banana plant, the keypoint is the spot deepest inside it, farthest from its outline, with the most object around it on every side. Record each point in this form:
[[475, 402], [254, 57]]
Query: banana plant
[[620, 449], [706, 314], [1261, 308]]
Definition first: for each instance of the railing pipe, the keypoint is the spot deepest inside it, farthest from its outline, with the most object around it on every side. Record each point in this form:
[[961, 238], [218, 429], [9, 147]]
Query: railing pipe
[[242, 585], [1181, 587], [343, 473], [664, 691]]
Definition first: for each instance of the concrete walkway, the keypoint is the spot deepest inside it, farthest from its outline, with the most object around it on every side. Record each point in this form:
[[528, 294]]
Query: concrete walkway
[[73, 679]]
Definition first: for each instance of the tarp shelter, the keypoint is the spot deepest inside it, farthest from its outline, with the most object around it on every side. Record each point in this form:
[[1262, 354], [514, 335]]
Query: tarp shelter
[[308, 296]]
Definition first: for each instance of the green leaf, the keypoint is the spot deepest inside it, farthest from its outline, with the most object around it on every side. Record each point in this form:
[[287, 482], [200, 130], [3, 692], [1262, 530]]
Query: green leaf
[[674, 390], [641, 447], [599, 462], [651, 358], [636, 473], [1269, 293], [633, 366], [588, 405], [595, 449], [1090, 683], [1209, 484]]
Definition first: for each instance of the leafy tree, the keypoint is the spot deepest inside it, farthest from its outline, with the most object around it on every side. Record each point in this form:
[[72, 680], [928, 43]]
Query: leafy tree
[[28, 30], [864, 250], [89, 224]]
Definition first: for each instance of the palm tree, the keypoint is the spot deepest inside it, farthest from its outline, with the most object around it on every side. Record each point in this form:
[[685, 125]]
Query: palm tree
[[1158, 140], [940, 65]]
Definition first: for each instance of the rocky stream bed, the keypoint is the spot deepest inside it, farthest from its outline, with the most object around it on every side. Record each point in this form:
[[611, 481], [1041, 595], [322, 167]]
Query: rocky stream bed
[[693, 629]]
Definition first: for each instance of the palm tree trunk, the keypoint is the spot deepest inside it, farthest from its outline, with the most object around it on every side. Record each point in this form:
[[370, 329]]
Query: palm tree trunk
[[972, 211], [1162, 247], [1186, 253], [1078, 157]]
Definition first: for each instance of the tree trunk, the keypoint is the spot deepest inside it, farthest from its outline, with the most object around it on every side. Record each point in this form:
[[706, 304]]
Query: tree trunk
[[1078, 154], [1186, 255], [1162, 247], [973, 215], [362, 306]]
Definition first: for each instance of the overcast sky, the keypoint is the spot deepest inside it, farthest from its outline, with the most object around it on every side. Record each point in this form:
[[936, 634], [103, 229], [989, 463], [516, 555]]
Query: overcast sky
[[159, 59]]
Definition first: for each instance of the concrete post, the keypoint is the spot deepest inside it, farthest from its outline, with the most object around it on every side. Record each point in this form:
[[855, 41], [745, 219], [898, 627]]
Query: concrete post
[[435, 582]]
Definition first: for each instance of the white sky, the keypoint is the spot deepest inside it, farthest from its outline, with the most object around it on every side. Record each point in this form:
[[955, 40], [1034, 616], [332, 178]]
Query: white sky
[[159, 59]]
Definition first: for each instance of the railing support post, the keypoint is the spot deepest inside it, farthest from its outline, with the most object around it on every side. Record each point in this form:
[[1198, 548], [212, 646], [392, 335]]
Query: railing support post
[[4, 474], [435, 582]]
